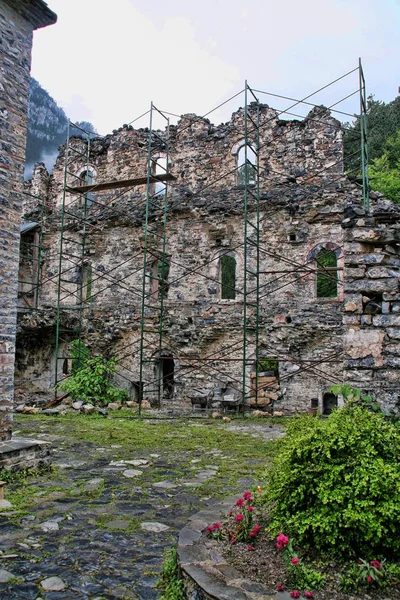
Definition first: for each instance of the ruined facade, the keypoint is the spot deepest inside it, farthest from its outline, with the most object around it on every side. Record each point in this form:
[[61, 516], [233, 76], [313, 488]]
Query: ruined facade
[[18, 19], [313, 256]]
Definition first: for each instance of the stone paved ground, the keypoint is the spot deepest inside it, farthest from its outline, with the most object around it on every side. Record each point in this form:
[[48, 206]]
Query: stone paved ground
[[96, 527]]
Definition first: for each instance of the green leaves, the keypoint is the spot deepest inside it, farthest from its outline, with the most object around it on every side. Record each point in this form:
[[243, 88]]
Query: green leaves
[[92, 382], [335, 484]]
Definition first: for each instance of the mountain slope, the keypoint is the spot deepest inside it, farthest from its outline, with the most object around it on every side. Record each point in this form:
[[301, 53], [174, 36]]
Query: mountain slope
[[47, 128]]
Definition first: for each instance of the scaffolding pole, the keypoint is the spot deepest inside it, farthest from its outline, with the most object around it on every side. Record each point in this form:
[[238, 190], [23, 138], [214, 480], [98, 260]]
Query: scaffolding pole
[[72, 212], [364, 138], [251, 248], [154, 247]]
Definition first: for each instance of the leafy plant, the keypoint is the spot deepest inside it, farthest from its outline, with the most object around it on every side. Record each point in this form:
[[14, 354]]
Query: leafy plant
[[365, 573], [354, 397], [335, 484], [239, 527], [300, 575], [92, 382], [170, 582], [79, 355]]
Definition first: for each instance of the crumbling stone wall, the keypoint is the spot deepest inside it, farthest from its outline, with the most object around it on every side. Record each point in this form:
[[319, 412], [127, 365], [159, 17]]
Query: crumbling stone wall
[[304, 195], [18, 18], [372, 302]]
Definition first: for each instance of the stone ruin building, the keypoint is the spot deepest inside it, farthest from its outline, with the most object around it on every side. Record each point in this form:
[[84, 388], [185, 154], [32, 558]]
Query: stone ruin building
[[232, 264], [18, 19]]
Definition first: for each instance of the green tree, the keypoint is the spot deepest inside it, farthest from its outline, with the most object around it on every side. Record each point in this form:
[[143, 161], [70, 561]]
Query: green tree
[[383, 123], [385, 171]]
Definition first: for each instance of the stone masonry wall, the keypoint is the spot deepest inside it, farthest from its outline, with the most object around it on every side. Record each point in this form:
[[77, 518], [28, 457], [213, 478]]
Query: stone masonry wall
[[17, 20], [372, 303], [304, 198]]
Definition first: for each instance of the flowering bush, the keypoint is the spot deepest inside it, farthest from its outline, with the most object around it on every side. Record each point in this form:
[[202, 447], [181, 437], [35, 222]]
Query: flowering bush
[[240, 524], [335, 484], [300, 575], [364, 574]]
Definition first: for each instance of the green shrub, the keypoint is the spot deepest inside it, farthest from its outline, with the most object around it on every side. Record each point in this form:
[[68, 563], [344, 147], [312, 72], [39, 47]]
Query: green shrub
[[92, 382], [335, 484]]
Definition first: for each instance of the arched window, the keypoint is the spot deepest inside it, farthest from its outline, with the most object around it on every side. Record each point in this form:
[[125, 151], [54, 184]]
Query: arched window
[[327, 274], [228, 277], [87, 178], [159, 167], [246, 167]]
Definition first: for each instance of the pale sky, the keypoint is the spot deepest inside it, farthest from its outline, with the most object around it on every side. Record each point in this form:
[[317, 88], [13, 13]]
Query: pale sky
[[104, 61]]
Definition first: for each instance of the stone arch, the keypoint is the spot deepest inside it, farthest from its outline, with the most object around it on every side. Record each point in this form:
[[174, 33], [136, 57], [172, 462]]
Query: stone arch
[[327, 260]]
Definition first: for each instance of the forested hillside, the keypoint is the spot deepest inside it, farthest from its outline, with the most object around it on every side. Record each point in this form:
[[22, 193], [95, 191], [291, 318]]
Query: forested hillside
[[383, 147], [47, 128]]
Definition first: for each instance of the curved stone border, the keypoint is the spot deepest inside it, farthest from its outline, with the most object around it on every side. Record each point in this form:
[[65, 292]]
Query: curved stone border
[[205, 572]]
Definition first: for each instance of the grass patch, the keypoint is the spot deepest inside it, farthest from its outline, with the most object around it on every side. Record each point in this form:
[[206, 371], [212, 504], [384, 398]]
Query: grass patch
[[110, 523], [170, 584]]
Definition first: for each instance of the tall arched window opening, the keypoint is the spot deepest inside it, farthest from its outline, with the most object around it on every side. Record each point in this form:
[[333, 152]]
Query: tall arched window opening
[[87, 178], [228, 277], [327, 274], [159, 167], [246, 168]]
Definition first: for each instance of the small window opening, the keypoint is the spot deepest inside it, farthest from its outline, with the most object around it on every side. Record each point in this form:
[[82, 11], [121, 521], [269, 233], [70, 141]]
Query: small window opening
[[314, 402], [269, 366], [247, 169], [228, 277], [292, 237], [327, 277], [65, 366], [329, 402], [288, 319], [159, 167]]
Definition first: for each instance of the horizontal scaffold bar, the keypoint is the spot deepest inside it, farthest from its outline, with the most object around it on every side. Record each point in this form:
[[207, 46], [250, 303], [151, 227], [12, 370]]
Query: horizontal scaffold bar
[[110, 185]]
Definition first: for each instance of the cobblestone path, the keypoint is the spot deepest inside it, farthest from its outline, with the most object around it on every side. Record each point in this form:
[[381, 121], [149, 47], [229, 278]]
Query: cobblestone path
[[96, 527]]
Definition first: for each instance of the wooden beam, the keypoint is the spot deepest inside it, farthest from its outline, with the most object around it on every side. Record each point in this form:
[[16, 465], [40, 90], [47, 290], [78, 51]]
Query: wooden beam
[[111, 185]]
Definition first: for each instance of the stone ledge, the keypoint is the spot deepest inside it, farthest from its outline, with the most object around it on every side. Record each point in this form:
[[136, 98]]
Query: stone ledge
[[24, 453], [206, 574]]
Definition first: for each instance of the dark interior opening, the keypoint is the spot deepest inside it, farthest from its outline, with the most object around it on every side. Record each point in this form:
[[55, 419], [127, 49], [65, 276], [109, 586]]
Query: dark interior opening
[[329, 402], [168, 369]]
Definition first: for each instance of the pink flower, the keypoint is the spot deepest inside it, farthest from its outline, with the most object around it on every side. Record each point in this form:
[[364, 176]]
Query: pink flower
[[295, 561], [250, 548], [247, 496], [217, 525], [255, 531], [239, 517], [376, 564], [369, 579], [308, 594], [233, 540], [210, 529], [282, 540], [281, 588], [295, 594], [240, 502], [250, 508]]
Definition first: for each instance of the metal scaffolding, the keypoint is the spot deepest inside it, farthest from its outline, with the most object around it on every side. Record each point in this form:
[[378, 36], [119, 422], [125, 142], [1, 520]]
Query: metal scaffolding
[[153, 344], [251, 221], [155, 263]]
